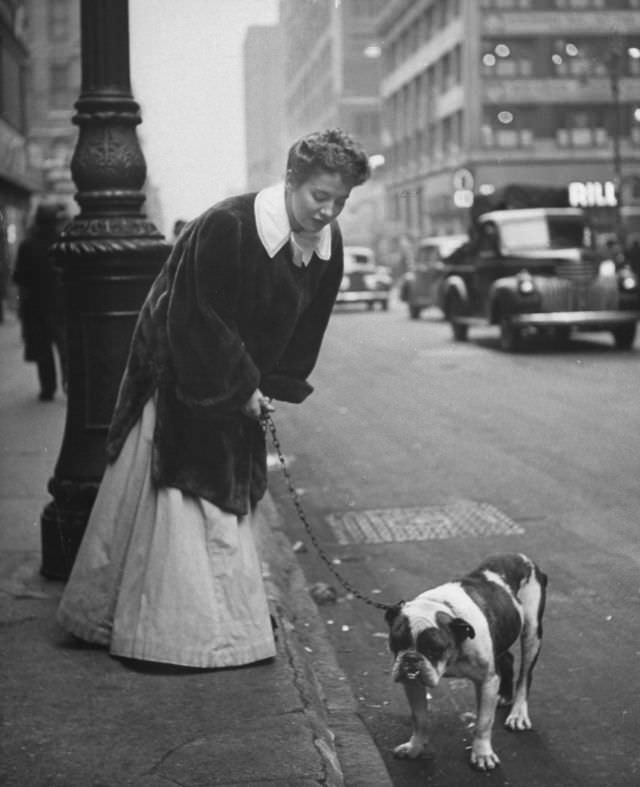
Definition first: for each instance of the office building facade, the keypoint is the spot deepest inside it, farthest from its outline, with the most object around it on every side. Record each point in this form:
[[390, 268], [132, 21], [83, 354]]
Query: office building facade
[[332, 79], [481, 93], [18, 180]]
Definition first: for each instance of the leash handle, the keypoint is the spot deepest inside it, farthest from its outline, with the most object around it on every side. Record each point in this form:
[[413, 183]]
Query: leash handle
[[269, 426]]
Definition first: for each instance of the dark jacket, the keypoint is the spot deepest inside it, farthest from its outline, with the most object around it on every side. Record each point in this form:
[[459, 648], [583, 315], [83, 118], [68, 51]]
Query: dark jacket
[[40, 296], [221, 320]]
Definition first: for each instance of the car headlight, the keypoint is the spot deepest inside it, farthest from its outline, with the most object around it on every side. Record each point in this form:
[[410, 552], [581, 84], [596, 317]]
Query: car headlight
[[344, 284], [627, 280], [370, 281], [526, 284]]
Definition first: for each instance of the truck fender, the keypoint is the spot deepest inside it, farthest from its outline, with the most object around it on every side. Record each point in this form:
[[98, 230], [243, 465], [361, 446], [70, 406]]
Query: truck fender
[[454, 285]]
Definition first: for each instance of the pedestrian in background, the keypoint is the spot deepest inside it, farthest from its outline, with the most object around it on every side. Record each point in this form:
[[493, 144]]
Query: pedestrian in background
[[40, 301], [167, 570]]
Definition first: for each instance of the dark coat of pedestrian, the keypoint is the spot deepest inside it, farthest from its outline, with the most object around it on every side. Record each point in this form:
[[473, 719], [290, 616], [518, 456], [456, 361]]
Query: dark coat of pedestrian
[[167, 569], [40, 301]]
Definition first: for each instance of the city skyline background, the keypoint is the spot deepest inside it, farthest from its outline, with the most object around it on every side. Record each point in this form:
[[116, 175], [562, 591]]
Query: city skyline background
[[187, 76]]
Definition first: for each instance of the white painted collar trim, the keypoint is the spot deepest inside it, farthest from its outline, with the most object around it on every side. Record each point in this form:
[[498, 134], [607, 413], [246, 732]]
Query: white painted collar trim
[[274, 229]]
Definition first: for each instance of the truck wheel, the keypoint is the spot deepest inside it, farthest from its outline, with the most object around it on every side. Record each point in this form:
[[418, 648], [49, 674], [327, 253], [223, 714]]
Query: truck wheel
[[510, 336], [624, 336], [455, 310], [414, 311], [561, 334]]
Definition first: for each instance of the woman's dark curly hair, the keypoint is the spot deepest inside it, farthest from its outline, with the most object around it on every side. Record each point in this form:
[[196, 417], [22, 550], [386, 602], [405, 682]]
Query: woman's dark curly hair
[[331, 151]]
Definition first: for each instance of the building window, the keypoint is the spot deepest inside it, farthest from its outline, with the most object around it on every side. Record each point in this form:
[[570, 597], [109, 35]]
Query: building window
[[582, 128], [508, 58], [508, 127], [59, 87], [58, 19]]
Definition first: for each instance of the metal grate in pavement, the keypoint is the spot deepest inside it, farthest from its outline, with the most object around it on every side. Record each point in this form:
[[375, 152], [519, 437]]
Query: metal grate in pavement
[[451, 520]]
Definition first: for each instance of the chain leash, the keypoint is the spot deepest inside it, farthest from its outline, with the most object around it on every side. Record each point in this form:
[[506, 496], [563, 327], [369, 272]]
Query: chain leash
[[269, 426]]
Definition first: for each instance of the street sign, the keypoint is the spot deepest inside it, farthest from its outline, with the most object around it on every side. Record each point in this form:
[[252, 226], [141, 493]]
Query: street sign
[[462, 179]]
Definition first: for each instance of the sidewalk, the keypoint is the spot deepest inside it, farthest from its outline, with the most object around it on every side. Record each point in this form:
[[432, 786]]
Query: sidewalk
[[74, 717]]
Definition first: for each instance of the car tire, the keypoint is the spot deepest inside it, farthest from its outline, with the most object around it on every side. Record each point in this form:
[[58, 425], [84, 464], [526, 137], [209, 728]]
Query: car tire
[[561, 334], [384, 305], [625, 336], [510, 336], [414, 312], [455, 310]]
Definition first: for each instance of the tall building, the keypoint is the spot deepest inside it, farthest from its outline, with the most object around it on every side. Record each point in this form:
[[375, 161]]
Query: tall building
[[332, 67], [264, 108], [481, 93], [53, 36], [332, 79], [18, 180]]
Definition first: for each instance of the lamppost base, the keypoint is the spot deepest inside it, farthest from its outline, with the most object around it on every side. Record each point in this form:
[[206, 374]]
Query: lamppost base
[[61, 531]]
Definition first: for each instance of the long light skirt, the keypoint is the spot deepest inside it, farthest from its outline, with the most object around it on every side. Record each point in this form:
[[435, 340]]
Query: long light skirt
[[163, 576]]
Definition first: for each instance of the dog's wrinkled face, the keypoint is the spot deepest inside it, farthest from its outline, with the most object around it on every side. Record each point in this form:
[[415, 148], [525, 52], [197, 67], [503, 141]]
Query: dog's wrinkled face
[[424, 644]]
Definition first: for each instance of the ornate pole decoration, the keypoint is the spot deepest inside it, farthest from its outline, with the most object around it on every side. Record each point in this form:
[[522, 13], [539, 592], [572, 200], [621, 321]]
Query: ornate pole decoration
[[107, 257]]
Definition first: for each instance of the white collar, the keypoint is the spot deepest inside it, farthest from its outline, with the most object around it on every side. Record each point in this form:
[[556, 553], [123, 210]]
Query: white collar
[[274, 229]]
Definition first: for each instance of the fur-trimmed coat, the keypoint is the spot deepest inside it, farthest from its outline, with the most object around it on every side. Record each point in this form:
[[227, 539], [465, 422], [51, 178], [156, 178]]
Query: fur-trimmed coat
[[222, 319]]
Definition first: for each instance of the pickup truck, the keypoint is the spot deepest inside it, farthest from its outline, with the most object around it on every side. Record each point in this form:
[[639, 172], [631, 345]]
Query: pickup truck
[[534, 270]]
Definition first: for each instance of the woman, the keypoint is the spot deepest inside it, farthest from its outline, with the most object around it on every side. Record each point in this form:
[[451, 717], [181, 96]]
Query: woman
[[167, 570]]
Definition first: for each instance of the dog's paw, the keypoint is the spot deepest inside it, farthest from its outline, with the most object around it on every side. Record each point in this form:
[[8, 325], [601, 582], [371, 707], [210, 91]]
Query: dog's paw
[[483, 757], [409, 750], [518, 720]]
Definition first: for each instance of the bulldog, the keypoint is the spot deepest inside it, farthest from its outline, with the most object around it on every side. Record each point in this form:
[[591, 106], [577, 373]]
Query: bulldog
[[464, 629]]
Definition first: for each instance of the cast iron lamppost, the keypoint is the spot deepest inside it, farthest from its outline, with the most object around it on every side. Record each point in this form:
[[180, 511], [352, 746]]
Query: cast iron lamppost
[[107, 257]]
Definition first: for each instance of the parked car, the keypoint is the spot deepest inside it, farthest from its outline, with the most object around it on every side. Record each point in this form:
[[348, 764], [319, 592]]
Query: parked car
[[363, 280], [535, 271], [421, 287]]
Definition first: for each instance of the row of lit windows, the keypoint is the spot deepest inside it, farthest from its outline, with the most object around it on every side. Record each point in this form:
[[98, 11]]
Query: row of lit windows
[[568, 128], [581, 57]]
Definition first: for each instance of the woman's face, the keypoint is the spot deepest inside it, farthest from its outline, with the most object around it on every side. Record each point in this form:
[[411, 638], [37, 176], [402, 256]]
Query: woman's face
[[313, 204]]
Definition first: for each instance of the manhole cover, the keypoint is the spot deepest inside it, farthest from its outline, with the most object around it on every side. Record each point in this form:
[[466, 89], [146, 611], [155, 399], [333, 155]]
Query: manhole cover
[[460, 518]]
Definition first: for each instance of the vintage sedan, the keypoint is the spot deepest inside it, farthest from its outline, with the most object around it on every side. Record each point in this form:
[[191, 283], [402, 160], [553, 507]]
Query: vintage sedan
[[535, 271], [364, 281], [421, 286]]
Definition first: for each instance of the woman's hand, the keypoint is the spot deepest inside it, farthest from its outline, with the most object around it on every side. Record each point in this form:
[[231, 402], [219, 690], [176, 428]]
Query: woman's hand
[[258, 405]]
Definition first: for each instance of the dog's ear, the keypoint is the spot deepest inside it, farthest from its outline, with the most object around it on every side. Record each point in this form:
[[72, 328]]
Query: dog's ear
[[461, 630], [392, 612]]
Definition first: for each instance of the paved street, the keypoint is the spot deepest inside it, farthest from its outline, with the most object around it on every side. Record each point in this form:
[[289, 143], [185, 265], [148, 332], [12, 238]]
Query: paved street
[[404, 418]]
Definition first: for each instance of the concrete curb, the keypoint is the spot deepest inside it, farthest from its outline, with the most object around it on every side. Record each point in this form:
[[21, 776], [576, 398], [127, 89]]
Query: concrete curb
[[343, 738]]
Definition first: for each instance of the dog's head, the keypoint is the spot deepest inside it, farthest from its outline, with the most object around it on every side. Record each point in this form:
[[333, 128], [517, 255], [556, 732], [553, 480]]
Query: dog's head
[[423, 639]]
